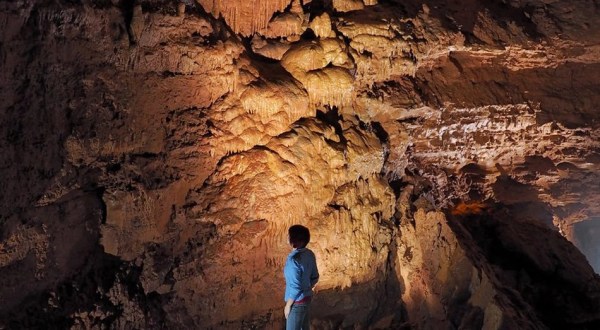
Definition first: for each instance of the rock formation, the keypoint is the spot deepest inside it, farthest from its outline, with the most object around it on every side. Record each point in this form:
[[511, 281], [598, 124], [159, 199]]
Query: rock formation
[[445, 154]]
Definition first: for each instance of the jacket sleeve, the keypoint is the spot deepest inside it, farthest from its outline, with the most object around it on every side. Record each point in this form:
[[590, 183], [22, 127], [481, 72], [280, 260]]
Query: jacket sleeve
[[293, 278]]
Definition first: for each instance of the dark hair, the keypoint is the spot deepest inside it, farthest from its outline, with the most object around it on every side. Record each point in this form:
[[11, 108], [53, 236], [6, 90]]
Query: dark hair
[[299, 236]]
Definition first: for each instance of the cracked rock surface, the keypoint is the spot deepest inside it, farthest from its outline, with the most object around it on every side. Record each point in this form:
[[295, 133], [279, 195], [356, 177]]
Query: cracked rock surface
[[444, 154]]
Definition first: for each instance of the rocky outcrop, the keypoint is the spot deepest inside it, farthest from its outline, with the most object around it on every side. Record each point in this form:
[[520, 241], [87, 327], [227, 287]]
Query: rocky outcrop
[[445, 156], [446, 289]]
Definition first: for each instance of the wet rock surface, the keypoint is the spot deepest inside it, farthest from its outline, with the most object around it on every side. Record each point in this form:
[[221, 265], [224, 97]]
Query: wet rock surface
[[444, 154]]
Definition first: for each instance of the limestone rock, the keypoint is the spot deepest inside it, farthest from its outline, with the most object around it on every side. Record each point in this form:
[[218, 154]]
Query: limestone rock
[[438, 272], [444, 155], [348, 5], [245, 17], [310, 63]]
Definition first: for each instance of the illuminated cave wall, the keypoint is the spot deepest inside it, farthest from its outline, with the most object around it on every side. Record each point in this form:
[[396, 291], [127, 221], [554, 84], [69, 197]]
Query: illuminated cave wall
[[444, 154]]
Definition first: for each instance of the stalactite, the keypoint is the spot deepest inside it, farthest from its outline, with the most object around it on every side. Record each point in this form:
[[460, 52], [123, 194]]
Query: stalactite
[[239, 14]]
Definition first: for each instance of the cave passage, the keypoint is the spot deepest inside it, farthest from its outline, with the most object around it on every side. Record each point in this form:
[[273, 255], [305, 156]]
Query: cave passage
[[444, 154]]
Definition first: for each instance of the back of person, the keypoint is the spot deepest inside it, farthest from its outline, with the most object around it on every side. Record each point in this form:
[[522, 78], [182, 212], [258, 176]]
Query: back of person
[[305, 261], [301, 275]]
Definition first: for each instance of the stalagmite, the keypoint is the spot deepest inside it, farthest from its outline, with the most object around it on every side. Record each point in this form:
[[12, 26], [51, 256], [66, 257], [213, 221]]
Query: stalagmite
[[136, 26]]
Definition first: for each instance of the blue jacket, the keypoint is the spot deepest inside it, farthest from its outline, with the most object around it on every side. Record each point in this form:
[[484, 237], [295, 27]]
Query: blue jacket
[[301, 274]]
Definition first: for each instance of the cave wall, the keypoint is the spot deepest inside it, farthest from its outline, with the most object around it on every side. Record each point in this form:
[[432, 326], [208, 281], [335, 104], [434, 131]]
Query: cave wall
[[155, 153]]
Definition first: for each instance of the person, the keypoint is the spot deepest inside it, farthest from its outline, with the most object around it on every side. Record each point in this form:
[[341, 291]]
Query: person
[[301, 275]]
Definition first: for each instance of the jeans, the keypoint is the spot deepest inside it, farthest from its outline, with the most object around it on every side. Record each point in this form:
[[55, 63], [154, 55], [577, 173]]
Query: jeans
[[299, 317]]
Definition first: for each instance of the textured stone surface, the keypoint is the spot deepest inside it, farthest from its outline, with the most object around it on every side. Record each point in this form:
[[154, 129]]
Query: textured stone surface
[[444, 154]]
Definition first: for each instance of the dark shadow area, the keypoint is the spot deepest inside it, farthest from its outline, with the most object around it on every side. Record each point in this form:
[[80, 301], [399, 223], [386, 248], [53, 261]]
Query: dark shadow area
[[510, 191], [462, 16], [270, 70], [375, 304], [532, 264], [401, 93], [84, 300], [538, 165], [566, 94], [52, 250], [38, 112], [476, 177], [536, 19], [332, 118]]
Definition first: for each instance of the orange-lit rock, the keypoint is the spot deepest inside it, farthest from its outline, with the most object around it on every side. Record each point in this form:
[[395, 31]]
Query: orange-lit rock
[[253, 198], [273, 49], [445, 156], [245, 17], [438, 272], [323, 69]]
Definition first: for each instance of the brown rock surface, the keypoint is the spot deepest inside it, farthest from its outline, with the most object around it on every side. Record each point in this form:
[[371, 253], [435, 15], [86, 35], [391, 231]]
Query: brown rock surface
[[445, 155]]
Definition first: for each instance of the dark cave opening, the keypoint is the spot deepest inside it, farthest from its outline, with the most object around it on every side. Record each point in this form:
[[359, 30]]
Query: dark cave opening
[[534, 261]]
